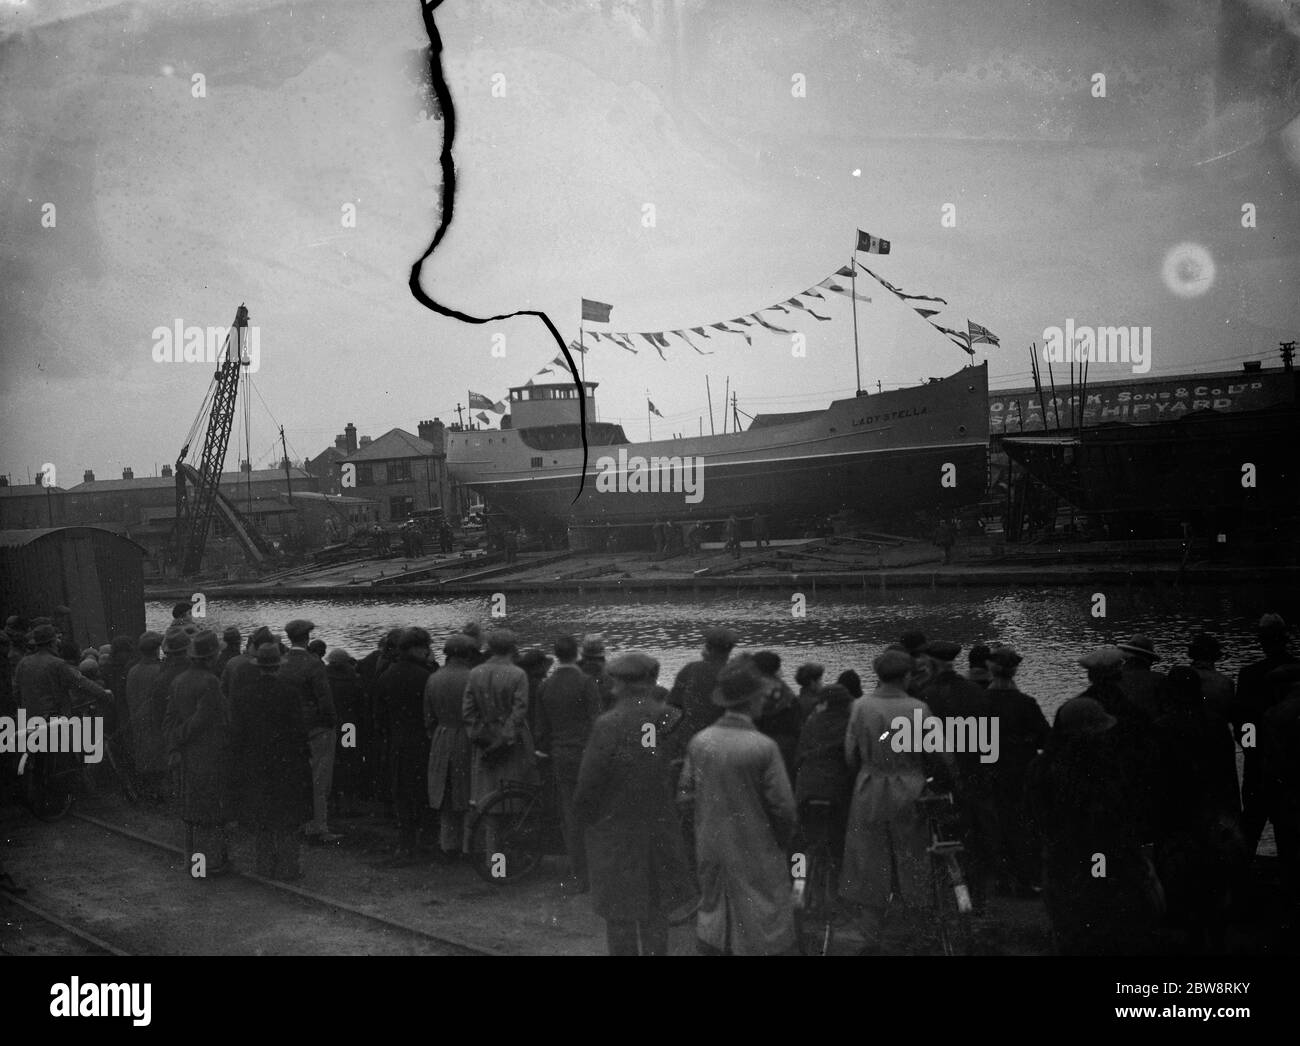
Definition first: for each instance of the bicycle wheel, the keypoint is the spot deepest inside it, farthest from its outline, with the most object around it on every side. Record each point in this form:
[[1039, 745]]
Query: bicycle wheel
[[48, 795], [954, 924], [506, 834], [815, 921]]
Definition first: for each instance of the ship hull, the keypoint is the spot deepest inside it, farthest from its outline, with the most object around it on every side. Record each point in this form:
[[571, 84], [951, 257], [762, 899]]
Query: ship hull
[[886, 456]]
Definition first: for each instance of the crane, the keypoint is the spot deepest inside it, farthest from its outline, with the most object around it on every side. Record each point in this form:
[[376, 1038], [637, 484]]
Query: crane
[[196, 506]]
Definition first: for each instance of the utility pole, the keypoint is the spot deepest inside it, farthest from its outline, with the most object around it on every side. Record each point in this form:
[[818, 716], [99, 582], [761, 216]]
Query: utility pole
[[288, 479], [1288, 354], [460, 417]]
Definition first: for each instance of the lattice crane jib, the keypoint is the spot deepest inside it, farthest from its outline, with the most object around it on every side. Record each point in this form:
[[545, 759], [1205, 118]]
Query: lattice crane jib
[[194, 508]]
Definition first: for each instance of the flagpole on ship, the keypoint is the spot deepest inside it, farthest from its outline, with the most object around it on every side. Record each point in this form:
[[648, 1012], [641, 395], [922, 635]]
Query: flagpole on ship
[[853, 293]]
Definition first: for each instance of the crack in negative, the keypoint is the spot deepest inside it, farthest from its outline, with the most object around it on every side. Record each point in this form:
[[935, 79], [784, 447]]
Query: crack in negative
[[447, 201]]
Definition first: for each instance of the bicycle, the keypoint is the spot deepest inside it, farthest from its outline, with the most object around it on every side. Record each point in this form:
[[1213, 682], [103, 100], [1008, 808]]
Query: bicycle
[[815, 909], [514, 828], [949, 893], [48, 781]]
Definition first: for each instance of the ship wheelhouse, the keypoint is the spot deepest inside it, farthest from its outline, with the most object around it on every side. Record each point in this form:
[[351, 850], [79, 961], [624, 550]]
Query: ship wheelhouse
[[546, 417]]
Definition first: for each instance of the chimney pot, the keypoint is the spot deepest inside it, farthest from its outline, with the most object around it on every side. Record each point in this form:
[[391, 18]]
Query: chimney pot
[[89, 477], [166, 470], [350, 434], [127, 473]]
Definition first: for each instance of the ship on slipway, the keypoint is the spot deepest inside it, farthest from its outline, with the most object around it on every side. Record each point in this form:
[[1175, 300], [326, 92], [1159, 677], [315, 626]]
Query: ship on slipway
[[899, 459]]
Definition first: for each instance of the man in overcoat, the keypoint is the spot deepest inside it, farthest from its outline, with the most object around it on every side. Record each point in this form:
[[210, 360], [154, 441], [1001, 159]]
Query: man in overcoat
[[624, 801], [735, 785], [273, 765], [197, 728]]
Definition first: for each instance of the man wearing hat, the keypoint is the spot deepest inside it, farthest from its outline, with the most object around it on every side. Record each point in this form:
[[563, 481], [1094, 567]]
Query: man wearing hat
[[399, 706], [305, 672], [886, 829], [242, 668], [348, 695], [1203, 651], [449, 747], [230, 643], [951, 696], [273, 765], [1255, 696], [1147, 688], [182, 614], [44, 683], [148, 752], [592, 662], [623, 802], [1084, 801], [735, 786], [175, 652], [693, 688], [1023, 733], [567, 706], [197, 728], [495, 713], [535, 663]]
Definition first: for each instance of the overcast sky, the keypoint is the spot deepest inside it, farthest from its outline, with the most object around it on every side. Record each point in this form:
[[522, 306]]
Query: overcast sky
[[173, 207]]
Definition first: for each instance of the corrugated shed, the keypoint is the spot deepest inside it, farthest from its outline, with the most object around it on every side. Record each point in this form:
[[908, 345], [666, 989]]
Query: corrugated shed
[[97, 574]]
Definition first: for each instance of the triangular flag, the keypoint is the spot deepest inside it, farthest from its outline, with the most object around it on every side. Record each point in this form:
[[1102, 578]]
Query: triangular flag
[[769, 326], [484, 418], [578, 348], [653, 409], [682, 335], [800, 305], [700, 331]]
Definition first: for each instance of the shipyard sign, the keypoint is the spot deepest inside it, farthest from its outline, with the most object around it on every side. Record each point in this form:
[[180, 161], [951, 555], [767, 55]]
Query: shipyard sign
[[1021, 410]]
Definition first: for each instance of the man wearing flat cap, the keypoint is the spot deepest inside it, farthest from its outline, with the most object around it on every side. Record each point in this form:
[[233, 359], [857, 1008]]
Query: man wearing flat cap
[[197, 728], [568, 703], [44, 683], [886, 833], [273, 790], [148, 751], [495, 712], [952, 696], [624, 801], [692, 691], [1023, 731], [399, 705], [1220, 695], [735, 785], [449, 747], [305, 672], [1256, 695]]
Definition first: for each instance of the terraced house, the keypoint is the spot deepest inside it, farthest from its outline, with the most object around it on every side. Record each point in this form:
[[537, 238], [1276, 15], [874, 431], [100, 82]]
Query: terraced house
[[403, 473]]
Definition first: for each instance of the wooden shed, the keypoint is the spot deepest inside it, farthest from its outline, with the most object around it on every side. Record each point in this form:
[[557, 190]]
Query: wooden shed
[[97, 574]]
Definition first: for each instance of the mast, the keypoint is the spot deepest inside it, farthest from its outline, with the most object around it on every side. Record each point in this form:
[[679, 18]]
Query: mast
[[708, 392], [288, 479], [853, 294], [726, 395]]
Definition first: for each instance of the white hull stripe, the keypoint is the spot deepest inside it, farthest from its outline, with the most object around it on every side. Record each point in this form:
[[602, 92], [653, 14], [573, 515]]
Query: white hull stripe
[[574, 473]]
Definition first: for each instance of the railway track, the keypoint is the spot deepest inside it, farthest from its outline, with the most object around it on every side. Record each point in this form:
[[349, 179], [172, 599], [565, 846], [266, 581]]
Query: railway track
[[102, 865]]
